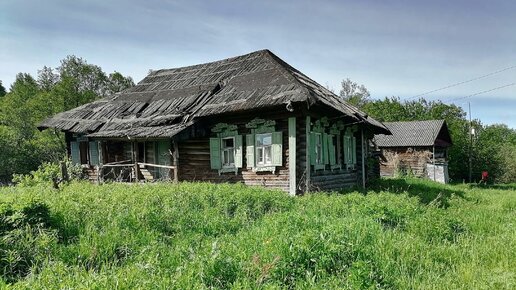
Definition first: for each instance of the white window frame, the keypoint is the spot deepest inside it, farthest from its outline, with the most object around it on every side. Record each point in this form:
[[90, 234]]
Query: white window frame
[[223, 155], [262, 148]]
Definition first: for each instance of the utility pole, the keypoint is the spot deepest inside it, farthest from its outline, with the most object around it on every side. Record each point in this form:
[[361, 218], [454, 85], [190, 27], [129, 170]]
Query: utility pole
[[470, 144]]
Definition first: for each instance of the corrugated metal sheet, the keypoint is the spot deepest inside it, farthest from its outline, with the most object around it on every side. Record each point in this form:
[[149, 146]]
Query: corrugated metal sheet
[[414, 133]]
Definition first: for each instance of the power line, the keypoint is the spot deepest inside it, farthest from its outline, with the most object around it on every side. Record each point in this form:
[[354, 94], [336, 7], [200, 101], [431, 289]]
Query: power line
[[463, 82], [480, 93]]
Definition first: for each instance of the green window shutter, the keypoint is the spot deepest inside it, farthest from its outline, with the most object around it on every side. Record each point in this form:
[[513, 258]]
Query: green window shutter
[[74, 152], [277, 148], [238, 151], [325, 148], [331, 148], [163, 152], [94, 153], [346, 146], [249, 150], [354, 150], [215, 161], [313, 157]]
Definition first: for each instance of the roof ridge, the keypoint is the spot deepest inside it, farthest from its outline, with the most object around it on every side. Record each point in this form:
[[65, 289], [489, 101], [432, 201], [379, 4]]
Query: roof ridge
[[291, 70], [228, 59], [284, 68]]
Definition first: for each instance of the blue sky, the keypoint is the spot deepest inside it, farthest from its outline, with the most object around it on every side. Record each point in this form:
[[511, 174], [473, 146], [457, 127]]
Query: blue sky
[[395, 48]]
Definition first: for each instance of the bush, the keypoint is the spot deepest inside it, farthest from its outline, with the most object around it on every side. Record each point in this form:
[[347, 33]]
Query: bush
[[48, 174]]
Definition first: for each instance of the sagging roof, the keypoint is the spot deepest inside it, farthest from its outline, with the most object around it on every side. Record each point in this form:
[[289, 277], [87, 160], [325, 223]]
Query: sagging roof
[[414, 134], [166, 100]]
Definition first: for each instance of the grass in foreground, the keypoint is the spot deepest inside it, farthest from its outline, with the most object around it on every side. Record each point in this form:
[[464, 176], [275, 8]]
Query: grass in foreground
[[416, 234]]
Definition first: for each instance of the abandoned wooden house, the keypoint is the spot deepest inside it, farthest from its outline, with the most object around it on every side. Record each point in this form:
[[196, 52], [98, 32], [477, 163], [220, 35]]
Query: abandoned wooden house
[[419, 148], [251, 119]]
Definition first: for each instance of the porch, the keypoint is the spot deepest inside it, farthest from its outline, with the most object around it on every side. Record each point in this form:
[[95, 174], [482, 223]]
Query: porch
[[126, 160]]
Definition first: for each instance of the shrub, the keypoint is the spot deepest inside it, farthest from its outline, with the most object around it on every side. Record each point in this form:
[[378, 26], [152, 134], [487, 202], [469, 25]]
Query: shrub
[[48, 174]]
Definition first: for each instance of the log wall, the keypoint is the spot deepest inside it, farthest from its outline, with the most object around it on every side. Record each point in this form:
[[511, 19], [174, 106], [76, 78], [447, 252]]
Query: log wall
[[194, 161]]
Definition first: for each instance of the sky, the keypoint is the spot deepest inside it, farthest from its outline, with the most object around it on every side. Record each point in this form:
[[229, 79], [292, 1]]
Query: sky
[[394, 48]]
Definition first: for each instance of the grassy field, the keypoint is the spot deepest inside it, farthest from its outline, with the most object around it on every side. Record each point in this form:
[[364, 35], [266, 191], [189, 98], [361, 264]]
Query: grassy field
[[403, 234]]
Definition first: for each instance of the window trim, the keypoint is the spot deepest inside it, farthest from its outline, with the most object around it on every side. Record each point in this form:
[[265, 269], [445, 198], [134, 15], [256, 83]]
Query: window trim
[[257, 148], [223, 132], [264, 127], [223, 149]]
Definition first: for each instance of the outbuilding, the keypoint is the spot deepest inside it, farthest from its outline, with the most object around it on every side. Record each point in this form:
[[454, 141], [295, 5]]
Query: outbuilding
[[418, 148]]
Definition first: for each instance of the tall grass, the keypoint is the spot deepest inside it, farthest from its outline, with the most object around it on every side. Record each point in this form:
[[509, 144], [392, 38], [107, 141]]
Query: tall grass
[[403, 234]]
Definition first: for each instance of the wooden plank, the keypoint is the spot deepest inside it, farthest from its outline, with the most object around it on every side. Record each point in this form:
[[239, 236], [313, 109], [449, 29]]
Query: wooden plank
[[292, 154], [119, 165], [307, 161], [176, 160], [156, 165]]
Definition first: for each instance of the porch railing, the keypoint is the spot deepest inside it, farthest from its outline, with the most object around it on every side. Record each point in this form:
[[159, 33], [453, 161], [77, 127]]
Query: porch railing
[[128, 171]]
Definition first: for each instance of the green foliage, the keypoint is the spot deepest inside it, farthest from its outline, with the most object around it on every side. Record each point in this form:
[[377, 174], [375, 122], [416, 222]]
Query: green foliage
[[25, 237], [48, 174], [198, 235], [73, 83], [353, 93], [3, 92], [495, 151], [508, 163]]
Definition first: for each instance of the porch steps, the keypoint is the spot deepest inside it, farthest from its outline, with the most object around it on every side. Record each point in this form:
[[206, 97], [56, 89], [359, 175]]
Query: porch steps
[[146, 174]]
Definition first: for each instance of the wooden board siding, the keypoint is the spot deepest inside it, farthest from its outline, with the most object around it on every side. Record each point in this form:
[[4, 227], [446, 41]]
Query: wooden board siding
[[194, 162]]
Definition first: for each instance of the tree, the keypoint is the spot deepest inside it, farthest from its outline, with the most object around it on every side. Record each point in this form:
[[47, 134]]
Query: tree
[[353, 93], [47, 79], [493, 151], [117, 83], [2, 90]]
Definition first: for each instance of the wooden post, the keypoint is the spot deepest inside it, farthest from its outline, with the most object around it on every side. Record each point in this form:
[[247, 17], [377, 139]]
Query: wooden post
[[307, 136], [292, 154], [176, 160], [134, 149], [363, 159], [64, 172]]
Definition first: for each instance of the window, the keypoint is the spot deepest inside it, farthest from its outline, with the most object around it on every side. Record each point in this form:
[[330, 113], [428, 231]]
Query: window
[[228, 152], [264, 146], [333, 151], [226, 148], [319, 150], [264, 149]]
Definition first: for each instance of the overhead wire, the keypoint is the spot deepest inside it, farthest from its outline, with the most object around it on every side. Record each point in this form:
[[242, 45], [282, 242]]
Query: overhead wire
[[480, 93], [463, 82]]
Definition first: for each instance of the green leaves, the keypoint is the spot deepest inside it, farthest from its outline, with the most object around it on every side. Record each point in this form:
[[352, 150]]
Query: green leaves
[[75, 82]]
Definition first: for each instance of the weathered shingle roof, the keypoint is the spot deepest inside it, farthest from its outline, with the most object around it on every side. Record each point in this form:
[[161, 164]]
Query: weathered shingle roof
[[165, 100], [415, 133]]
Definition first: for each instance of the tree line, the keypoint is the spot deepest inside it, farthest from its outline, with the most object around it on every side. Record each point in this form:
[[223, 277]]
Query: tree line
[[32, 99], [493, 146]]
